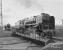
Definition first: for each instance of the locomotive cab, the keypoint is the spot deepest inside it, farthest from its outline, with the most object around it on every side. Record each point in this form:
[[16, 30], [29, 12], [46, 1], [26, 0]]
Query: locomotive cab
[[47, 27]]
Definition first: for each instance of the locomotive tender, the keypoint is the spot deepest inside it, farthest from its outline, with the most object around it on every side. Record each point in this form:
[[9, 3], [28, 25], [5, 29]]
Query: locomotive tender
[[37, 27]]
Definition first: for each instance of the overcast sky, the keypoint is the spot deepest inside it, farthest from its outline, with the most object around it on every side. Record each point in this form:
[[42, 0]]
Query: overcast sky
[[14, 10]]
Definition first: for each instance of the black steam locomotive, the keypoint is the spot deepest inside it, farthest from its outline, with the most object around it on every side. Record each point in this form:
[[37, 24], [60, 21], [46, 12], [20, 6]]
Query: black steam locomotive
[[38, 26]]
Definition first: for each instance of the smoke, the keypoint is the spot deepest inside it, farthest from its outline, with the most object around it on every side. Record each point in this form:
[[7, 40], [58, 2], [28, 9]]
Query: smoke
[[25, 3], [30, 3]]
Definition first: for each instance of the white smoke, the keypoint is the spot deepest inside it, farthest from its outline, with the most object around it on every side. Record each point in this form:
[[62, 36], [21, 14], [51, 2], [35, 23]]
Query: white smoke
[[30, 3]]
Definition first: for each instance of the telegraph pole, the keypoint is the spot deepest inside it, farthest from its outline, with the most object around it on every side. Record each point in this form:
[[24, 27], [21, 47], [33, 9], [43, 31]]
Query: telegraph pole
[[1, 16]]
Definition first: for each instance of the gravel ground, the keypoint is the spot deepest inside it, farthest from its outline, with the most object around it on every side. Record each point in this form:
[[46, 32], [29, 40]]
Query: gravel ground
[[54, 46], [5, 33], [16, 43], [58, 45], [8, 42]]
